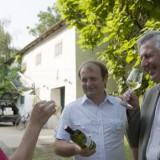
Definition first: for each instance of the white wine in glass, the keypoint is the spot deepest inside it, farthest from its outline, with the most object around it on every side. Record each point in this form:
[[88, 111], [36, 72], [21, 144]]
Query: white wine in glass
[[133, 81]]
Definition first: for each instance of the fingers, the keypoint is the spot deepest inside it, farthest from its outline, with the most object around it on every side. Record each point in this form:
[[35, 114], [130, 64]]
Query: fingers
[[48, 106], [40, 102], [125, 99], [46, 103], [126, 105], [131, 101], [52, 107], [126, 96], [84, 152]]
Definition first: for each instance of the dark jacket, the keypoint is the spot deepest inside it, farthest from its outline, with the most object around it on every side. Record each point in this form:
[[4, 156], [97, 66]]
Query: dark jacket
[[139, 127], [146, 121]]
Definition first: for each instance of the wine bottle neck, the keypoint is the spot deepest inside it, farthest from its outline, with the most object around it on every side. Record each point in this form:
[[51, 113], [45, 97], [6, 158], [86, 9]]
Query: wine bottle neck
[[69, 130]]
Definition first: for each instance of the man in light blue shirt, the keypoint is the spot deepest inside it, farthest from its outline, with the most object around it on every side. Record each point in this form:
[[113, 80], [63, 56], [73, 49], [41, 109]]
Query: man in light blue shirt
[[97, 114]]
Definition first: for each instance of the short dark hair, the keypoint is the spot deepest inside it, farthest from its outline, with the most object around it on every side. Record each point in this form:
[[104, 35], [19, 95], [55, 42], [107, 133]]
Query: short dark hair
[[104, 71]]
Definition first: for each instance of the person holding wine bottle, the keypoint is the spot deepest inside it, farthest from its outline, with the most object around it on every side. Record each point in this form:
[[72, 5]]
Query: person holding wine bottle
[[147, 117], [41, 112], [96, 115]]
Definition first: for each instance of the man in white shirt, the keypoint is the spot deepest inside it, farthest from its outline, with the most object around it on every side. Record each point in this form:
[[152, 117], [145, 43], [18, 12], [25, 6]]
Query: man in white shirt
[[149, 121], [97, 114]]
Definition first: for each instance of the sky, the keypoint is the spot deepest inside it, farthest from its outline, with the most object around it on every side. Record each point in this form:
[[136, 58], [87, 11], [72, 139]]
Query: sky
[[22, 13]]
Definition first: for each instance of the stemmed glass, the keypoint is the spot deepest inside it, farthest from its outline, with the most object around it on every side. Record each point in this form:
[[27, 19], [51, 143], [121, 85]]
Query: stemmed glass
[[24, 84], [133, 81]]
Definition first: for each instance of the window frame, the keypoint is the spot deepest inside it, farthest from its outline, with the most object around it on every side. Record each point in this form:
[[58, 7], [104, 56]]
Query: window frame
[[58, 48]]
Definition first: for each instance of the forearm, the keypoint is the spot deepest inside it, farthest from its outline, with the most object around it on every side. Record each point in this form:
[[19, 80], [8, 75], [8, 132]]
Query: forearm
[[132, 128], [64, 148], [27, 146], [41, 112]]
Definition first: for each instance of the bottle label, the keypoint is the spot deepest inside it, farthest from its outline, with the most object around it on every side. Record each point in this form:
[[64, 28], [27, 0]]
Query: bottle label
[[88, 141]]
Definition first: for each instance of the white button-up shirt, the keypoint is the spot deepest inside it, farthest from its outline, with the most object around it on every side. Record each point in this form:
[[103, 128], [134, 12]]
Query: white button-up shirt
[[105, 124], [153, 147]]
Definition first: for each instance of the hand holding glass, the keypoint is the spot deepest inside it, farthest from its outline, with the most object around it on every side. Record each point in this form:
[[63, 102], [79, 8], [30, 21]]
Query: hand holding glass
[[23, 84], [133, 81]]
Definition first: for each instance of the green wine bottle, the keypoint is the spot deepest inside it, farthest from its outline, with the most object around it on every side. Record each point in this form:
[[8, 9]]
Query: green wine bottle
[[78, 137]]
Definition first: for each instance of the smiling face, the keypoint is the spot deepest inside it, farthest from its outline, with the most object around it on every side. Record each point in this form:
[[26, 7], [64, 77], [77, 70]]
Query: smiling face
[[92, 82], [150, 59]]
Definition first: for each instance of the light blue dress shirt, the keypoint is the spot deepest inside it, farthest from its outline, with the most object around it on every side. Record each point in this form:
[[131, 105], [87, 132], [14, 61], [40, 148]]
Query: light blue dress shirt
[[105, 124]]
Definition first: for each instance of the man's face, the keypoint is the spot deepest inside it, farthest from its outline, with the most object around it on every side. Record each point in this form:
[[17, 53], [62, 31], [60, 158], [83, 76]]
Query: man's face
[[150, 60], [92, 82]]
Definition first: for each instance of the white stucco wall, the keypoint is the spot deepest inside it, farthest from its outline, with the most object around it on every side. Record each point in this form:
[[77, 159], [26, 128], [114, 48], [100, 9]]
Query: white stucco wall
[[54, 71]]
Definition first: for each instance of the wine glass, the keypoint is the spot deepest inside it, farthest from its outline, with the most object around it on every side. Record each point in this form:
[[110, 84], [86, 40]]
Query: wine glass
[[133, 81], [24, 84]]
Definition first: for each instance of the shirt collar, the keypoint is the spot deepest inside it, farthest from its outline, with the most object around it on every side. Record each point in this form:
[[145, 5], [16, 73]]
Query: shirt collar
[[107, 98]]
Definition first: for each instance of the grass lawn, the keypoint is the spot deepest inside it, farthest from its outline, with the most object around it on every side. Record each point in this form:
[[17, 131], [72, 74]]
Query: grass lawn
[[128, 150], [46, 153]]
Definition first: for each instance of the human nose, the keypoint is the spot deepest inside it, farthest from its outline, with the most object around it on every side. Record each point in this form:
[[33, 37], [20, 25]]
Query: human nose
[[88, 83], [144, 62]]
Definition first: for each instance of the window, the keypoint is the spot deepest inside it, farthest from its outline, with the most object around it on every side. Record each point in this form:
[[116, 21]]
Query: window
[[38, 59], [58, 49]]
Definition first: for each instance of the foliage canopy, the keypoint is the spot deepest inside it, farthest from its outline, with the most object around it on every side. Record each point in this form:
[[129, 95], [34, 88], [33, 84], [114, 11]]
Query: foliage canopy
[[6, 52], [113, 26], [46, 20]]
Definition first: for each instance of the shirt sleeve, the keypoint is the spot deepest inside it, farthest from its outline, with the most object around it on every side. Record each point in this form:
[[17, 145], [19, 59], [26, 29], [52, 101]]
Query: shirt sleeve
[[59, 132]]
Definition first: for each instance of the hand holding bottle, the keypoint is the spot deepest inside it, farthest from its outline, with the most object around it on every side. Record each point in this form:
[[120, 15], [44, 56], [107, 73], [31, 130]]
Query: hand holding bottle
[[78, 137], [84, 152]]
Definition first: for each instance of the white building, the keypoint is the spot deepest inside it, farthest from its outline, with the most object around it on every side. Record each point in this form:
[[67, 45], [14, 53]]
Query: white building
[[52, 61]]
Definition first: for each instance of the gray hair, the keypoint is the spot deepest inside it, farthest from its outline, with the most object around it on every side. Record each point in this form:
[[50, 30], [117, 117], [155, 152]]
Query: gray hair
[[151, 35]]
